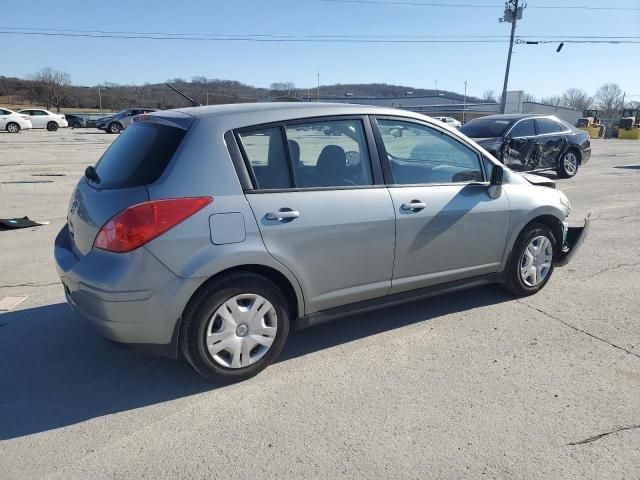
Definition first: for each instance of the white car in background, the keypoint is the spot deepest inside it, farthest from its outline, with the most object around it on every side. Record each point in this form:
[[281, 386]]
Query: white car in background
[[13, 122], [452, 122], [41, 118]]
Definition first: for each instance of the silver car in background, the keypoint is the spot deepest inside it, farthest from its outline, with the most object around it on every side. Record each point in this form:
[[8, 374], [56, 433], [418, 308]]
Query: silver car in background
[[213, 231], [119, 121]]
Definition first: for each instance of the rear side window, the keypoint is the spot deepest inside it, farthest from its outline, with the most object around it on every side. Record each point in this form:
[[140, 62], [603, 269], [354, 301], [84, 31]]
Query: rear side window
[[265, 151], [330, 153], [139, 156], [547, 125]]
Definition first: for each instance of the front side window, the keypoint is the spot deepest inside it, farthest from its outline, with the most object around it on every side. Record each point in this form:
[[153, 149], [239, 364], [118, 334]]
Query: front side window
[[330, 153], [264, 149], [548, 125], [524, 128], [423, 155]]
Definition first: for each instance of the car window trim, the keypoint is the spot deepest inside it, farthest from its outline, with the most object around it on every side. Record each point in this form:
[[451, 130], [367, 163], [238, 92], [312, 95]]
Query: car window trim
[[252, 186], [384, 158]]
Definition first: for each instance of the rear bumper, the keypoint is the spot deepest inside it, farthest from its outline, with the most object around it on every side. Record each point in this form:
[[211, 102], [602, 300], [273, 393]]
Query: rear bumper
[[586, 155], [575, 237], [128, 298]]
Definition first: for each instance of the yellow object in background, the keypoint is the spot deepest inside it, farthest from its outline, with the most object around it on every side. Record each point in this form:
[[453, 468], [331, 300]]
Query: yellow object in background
[[629, 134]]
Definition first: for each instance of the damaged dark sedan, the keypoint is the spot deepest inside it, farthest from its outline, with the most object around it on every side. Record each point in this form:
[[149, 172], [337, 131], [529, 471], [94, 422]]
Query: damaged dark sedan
[[526, 142]]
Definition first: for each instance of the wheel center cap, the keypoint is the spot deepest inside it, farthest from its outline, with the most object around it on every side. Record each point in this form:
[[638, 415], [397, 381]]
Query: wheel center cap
[[242, 330]]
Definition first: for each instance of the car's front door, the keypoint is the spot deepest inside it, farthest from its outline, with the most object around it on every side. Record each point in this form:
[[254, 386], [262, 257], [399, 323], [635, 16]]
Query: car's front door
[[520, 152], [551, 141], [319, 209], [447, 226]]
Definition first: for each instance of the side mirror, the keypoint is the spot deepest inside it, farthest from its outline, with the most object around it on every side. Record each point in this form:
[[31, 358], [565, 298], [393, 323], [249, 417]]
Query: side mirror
[[395, 132], [497, 175]]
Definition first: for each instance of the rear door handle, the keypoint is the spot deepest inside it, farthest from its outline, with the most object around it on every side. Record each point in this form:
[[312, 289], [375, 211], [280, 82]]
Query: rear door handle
[[283, 214], [413, 206]]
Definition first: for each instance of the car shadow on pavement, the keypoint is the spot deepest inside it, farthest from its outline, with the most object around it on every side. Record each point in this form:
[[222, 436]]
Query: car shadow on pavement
[[363, 325], [55, 372]]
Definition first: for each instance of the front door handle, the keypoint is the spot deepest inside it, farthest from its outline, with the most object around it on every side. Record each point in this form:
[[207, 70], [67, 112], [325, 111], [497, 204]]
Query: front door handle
[[283, 214], [413, 206]]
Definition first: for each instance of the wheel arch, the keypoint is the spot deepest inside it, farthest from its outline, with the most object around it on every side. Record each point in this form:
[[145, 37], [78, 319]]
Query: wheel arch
[[547, 218], [293, 295]]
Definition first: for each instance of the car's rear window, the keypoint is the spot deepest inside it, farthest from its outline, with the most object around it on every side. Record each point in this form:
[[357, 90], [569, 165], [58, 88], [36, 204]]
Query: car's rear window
[[139, 156]]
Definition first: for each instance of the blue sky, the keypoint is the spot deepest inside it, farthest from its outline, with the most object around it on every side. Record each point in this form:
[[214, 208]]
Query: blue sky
[[537, 69]]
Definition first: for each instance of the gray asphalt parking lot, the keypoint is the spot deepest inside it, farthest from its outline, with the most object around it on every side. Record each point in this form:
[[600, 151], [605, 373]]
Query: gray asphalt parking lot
[[475, 384]]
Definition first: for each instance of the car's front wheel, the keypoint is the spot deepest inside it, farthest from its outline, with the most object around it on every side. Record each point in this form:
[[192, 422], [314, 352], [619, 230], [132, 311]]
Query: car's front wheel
[[76, 125], [532, 260], [115, 127], [13, 127], [234, 327], [568, 164]]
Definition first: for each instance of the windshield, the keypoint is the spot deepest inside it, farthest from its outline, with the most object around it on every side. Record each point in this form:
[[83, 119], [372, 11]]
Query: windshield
[[485, 127]]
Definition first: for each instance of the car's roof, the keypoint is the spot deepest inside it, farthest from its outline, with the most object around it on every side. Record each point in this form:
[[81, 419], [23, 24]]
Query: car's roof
[[515, 116], [246, 114]]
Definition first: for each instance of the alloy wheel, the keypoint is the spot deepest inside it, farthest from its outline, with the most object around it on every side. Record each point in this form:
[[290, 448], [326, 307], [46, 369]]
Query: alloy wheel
[[241, 331], [570, 164], [536, 261]]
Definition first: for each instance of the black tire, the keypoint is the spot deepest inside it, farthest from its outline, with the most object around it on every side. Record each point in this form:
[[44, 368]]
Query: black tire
[[76, 125], [568, 164], [114, 127], [52, 126], [12, 127], [202, 307], [514, 282]]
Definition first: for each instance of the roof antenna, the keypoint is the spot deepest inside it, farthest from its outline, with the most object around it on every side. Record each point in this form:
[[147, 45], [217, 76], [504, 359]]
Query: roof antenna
[[191, 100]]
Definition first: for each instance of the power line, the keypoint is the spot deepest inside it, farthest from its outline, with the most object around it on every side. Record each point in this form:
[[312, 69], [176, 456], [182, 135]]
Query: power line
[[49, 32], [307, 36], [476, 5]]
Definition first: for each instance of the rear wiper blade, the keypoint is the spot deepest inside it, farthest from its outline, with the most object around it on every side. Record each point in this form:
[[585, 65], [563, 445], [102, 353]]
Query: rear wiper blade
[[91, 174]]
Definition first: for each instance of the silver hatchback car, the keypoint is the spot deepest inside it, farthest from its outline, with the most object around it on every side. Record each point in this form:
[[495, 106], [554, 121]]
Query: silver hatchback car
[[212, 231]]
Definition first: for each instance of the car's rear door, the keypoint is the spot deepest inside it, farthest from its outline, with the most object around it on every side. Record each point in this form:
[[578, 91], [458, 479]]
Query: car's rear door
[[322, 208], [447, 226], [551, 141]]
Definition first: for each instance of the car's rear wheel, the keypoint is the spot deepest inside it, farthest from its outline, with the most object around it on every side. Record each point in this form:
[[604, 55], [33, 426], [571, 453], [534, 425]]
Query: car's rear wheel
[[568, 164], [532, 260], [76, 125], [52, 126], [13, 127], [234, 327], [114, 127]]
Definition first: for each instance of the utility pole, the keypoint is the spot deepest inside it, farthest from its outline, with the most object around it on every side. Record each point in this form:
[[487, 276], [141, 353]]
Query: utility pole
[[435, 87], [464, 102], [512, 13], [318, 86], [100, 98]]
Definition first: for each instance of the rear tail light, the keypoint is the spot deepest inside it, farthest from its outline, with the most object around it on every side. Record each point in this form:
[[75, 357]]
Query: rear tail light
[[139, 224]]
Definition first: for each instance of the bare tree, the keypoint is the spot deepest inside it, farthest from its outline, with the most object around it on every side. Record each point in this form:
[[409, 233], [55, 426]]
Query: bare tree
[[282, 89], [577, 99], [554, 100], [490, 96], [52, 87], [609, 99], [527, 97]]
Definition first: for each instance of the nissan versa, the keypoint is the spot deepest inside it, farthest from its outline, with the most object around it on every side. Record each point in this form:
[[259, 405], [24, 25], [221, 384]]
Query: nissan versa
[[212, 231]]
